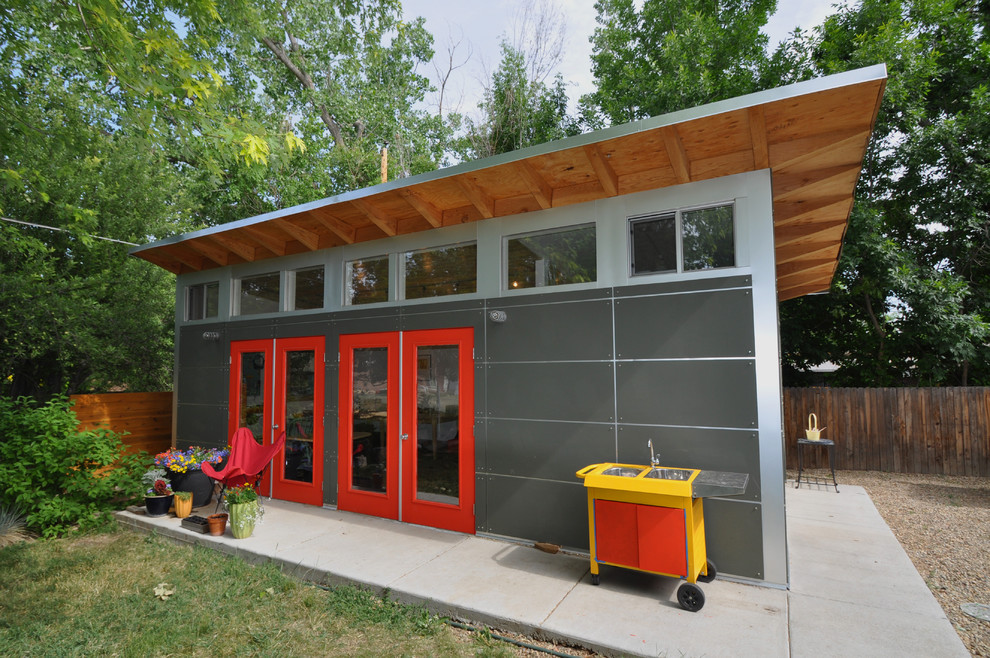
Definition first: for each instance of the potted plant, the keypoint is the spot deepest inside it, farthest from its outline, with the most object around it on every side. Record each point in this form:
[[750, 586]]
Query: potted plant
[[158, 492], [245, 510], [183, 503], [185, 470]]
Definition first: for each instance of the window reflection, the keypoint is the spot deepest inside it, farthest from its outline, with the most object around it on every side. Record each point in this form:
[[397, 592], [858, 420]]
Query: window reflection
[[552, 258], [367, 281], [442, 271]]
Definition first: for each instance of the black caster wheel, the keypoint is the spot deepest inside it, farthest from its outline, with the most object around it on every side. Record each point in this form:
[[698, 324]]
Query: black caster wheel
[[690, 597], [594, 579], [712, 572]]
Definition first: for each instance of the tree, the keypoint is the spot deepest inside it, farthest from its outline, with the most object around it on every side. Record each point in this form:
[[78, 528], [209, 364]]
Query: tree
[[517, 111], [669, 56], [911, 299], [345, 74], [76, 313]]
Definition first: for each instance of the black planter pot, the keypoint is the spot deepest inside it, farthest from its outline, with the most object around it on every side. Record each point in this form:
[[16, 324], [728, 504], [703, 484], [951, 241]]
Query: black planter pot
[[157, 505], [197, 482]]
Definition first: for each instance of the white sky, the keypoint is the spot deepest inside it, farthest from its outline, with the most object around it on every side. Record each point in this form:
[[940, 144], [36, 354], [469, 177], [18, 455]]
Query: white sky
[[479, 25]]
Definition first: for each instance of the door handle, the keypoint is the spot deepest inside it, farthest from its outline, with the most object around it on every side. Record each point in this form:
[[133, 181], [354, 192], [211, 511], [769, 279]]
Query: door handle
[[274, 427], [403, 436]]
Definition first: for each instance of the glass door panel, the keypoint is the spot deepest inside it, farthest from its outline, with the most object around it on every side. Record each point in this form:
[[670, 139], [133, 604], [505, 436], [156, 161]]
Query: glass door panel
[[251, 398], [437, 424], [369, 435], [438, 413], [368, 432], [300, 376], [299, 412]]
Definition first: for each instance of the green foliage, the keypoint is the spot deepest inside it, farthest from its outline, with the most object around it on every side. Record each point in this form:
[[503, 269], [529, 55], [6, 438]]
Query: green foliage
[[669, 56], [911, 299], [61, 477], [242, 494], [517, 111]]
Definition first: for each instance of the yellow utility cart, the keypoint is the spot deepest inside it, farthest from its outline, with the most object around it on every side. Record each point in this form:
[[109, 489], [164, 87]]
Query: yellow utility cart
[[651, 518]]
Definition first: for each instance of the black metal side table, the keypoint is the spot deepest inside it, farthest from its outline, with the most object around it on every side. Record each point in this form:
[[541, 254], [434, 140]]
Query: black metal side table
[[821, 443]]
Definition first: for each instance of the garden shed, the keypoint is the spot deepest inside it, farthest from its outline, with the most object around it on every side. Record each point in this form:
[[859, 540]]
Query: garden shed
[[448, 349]]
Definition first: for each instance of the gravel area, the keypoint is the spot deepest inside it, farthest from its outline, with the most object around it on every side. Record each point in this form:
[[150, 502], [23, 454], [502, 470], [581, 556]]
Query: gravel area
[[943, 523]]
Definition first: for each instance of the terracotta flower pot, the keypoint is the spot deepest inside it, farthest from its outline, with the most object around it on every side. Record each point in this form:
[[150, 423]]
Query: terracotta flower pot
[[183, 508], [218, 524]]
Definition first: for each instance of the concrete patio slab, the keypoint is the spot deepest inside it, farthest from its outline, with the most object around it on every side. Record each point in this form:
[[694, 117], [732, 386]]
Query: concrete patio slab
[[853, 589]]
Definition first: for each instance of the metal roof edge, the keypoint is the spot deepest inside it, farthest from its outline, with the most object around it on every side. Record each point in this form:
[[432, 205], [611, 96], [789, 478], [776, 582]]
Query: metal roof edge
[[825, 83]]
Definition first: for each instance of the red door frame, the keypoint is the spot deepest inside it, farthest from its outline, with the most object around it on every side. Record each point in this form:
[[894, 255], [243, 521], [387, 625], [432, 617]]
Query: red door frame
[[385, 505], [310, 493], [273, 414], [459, 517], [237, 348], [396, 504]]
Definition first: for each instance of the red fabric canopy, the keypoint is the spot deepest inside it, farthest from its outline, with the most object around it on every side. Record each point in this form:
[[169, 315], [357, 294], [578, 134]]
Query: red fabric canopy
[[246, 461]]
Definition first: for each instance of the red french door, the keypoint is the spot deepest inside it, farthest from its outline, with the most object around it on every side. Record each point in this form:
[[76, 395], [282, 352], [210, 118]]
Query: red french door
[[278, 385], [406, 435]]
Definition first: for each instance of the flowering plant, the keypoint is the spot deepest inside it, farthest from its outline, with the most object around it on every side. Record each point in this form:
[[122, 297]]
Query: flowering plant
[[156, 483], [190, 459], [242, 494]]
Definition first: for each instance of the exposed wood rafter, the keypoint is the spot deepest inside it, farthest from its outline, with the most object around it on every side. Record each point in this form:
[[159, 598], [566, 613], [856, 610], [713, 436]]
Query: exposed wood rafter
[[477, 196], [344, 231], [388, 225], [537, 185], [606, 175], [677, 154], [430, 212], [309, 239], [758, 133]]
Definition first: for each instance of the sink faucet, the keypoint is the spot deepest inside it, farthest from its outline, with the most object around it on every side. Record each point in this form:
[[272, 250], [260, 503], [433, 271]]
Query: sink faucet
[[654, 461]]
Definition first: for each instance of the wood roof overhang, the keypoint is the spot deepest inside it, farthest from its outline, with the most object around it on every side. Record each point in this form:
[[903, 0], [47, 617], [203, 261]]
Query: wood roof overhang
[[811, 135]]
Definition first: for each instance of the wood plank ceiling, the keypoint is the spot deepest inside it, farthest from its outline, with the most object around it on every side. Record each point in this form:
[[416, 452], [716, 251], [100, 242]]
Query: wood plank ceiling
[[812, 136]]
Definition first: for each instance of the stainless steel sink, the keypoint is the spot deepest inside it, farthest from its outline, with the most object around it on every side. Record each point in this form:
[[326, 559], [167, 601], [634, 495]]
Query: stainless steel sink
[[683, 474], [622, 471]]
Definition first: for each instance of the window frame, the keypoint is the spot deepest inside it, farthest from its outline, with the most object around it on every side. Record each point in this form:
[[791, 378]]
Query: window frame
[[400, 293], [235, 310], [290, 288], [679, 239], [187, 305], [345, 280], [504, 273]]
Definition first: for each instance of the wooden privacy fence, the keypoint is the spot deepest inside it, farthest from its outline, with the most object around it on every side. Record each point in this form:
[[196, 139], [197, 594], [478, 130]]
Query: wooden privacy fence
[[147, 416], [901, 430]]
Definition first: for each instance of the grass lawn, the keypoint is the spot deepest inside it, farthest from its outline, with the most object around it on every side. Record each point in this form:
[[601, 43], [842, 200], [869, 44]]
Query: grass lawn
[[96, 595]]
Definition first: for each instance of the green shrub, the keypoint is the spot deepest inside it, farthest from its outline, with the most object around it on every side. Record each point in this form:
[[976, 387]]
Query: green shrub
[[59, 476]]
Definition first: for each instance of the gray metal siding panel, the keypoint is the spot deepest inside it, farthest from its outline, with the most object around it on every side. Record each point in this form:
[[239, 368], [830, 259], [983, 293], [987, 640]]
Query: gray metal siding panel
[[683, 447], [557, 332], [692, 285], [691, 393], [202, 425], [473, 318], [541, 510], [551, 391], [203, 385], [734, 537], [547, 450], [194, 350], [537, 299], [707, 324]]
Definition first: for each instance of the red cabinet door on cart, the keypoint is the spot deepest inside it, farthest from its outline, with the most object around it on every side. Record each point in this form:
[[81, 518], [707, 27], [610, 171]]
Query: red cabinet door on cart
[[641, 536], [406, 434]]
